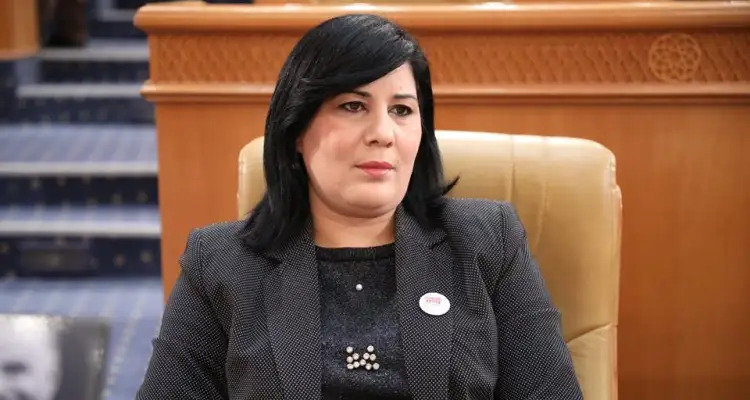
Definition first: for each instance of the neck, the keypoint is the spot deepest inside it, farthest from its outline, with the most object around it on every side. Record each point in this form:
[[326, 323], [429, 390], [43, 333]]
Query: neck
[[335, 230]]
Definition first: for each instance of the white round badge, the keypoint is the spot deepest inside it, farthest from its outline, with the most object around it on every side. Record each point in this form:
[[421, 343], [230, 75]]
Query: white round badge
[[434, 304]]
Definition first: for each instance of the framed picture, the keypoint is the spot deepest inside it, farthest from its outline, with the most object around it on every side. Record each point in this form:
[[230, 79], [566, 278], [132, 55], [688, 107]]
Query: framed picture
[[52, 358]]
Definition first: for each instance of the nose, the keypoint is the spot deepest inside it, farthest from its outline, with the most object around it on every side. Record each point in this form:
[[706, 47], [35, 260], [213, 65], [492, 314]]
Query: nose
[[381, 130]]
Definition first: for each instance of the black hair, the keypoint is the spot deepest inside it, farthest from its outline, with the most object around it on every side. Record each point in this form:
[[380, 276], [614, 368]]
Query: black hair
[[337, 56]]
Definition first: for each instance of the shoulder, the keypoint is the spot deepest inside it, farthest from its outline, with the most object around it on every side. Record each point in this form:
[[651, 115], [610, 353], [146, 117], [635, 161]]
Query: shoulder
[[472, 207], [218, 245], [218, 236], [484, 225], [490, 230], [490, 215]]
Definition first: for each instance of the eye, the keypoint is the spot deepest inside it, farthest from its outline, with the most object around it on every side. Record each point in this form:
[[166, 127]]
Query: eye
[[14, 368], [402, 110], [353, 106]]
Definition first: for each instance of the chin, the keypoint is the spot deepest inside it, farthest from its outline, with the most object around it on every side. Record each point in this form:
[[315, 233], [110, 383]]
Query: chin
[[374, 204]]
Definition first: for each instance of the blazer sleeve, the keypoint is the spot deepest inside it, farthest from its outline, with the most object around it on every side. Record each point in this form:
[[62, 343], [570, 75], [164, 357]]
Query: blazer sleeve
[[533, 358], [188, 355]]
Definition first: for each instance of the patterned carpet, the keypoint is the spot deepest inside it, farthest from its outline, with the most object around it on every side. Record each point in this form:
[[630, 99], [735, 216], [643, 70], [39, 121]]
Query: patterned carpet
[[132, 305]]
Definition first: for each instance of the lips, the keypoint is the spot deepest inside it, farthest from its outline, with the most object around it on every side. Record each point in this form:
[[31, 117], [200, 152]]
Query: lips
[[376, 169], [375, 165]]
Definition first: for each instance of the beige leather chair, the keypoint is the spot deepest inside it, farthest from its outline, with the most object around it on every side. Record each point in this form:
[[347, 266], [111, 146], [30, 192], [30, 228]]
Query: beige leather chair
[[566, 194]]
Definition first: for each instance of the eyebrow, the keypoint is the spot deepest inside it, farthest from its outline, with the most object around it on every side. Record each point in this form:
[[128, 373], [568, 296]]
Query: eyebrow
[[398, 96]]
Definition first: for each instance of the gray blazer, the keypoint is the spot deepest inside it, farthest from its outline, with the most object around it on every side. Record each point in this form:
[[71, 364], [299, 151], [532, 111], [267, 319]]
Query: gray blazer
[[244, 325]]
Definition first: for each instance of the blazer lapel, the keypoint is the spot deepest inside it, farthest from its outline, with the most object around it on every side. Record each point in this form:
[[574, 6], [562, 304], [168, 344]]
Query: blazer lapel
[[292, 304], [425, 339]]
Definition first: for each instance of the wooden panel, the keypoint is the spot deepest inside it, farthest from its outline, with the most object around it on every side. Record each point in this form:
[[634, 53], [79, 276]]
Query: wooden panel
[[198, 168], [19, 35], [666, 87]]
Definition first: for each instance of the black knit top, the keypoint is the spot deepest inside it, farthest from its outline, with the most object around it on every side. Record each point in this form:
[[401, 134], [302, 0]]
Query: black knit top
[[358, 310]]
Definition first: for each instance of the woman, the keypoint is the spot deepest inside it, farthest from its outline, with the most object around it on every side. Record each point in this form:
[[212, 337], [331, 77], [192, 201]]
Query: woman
[[355, 277]]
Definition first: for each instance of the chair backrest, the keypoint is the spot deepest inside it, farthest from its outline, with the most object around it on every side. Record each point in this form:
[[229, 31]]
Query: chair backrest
[[567, 196]]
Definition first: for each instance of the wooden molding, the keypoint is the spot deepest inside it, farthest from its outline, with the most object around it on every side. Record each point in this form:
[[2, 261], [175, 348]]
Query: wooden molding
[[473, 59], [214, 93], [579, 49], [18, 52], [463, 94], [492, 17]]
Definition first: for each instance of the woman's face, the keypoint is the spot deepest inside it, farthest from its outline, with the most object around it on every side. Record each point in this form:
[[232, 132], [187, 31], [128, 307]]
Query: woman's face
[[29, 360], [360, 147]]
